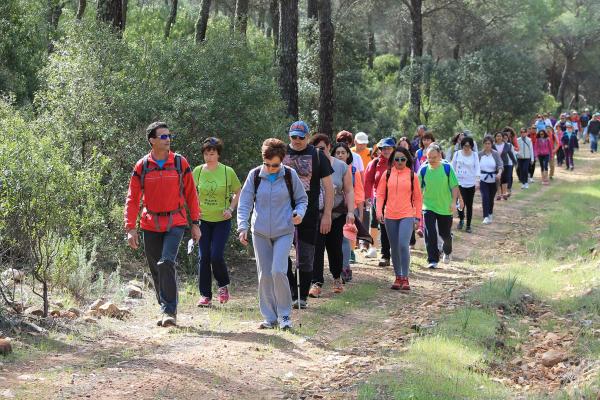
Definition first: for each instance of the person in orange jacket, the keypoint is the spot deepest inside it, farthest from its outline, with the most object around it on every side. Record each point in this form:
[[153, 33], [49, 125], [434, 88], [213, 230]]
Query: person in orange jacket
[[399, 203], [163, 181]]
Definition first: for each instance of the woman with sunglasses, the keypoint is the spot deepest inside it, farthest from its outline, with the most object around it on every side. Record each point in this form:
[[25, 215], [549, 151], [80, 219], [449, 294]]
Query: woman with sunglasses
[[342, 152], [466, 166], [341, 214], [399, 204], [218, 191], [275, 196]]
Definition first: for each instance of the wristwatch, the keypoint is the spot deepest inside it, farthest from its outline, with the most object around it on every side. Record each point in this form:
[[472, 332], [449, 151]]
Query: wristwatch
[[196, 222], [230, 210]]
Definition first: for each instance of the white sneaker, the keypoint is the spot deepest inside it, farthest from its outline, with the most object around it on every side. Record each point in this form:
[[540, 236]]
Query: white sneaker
[[486, 221], [531, 180], [447, 258], [527, 186], [524, 186], [371, 253], [491, 217], [285, 323]]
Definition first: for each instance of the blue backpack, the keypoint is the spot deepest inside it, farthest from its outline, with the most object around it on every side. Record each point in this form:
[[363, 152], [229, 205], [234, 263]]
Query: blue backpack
[[423, 171]]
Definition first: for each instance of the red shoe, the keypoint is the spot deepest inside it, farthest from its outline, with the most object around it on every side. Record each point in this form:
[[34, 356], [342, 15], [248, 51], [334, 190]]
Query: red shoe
[[204, 302], [397, 285], [223, 295], [405, 284]]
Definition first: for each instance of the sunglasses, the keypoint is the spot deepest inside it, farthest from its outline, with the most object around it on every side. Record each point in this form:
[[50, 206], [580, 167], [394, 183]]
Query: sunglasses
[[296, 137], [400, 159], [211, 140], [274, 165], [166, 136], [321, 148]]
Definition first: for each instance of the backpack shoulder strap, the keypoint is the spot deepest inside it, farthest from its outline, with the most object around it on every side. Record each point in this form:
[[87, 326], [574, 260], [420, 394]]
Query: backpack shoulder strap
[[387, 179], [447, 169], [256, 181], [412, 188], [422, 172], [145, 170], [288, 182], [179, 172]]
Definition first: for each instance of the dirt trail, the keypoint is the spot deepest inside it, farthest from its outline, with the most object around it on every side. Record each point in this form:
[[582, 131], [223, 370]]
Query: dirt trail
[[219, 353]]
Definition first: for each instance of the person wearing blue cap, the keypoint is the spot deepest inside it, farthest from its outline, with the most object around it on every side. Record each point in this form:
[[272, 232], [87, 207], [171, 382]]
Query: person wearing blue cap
[[314, 169], [375, 170]]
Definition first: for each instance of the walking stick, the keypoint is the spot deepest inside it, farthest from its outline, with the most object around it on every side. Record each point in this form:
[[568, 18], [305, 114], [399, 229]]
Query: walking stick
[[297, 241]]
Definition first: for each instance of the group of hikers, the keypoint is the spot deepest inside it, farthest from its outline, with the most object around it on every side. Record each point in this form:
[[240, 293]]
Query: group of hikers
[[313, 195]]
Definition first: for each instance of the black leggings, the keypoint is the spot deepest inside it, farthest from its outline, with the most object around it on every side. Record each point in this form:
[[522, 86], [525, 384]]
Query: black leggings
[[333, 243], [467, 195]]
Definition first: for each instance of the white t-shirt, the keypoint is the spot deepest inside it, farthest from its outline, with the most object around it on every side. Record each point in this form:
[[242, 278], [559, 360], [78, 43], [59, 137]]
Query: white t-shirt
[[466, 168], [357, 162], [488, 168]]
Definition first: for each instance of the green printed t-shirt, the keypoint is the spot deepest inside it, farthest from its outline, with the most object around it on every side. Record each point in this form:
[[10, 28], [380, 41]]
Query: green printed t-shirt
[[437, 196], [212, 192]]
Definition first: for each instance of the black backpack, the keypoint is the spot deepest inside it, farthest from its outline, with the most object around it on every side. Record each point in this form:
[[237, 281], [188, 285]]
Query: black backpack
[[288, 182]]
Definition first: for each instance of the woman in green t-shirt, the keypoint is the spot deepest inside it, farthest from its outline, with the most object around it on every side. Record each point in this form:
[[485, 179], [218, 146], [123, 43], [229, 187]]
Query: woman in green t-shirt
[[218, 192]]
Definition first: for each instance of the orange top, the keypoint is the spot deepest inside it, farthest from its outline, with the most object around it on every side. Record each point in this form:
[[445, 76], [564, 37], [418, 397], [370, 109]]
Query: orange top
[[359, 189], [398, 204], [365, 155]]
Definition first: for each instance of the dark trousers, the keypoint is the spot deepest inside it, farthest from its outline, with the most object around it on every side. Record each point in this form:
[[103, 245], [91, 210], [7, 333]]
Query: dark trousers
[[531, 169], [433, 222], [569, 157], [385, 242], [488, 191], [333, 243], [523, 169], [560, 156], [161, 252], [544, 160], [507, 176], [467, 195], [304, 244], [211, 255]]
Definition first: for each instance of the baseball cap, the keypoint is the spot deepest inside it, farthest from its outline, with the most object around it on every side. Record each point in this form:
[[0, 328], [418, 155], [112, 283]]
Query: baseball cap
[[387, 142], [467, 133], [299, 128], [361, 138], [422, 127], [568, 124]]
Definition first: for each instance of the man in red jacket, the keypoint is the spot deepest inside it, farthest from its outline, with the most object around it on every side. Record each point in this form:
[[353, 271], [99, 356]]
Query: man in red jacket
[[163, 181]]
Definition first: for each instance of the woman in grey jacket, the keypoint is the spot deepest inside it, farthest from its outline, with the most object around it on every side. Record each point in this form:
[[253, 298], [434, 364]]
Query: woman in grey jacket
[[491, 167], [275, 196]]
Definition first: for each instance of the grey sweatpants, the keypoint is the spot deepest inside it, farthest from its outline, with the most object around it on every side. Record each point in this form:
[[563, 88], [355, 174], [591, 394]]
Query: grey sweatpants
[[399, 232], [274, 296]]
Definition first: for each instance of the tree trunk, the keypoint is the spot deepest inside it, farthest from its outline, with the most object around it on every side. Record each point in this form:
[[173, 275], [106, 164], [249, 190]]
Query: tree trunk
[[416, 52], [45, 297], [241, 16], [288, 55], [171, 19], [81, 9], [312, 9], [55, 9], [326, 68], [125, 5], [564, 79], [274, 11], [111, 12], [456, 51], [202, 22], [261, 19], [370, 40]]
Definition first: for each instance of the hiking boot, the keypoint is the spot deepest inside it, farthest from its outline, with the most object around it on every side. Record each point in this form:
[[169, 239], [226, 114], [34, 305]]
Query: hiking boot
[[397, 285], [461, 223], [169, 320], [299, 304], [405, 284], [468, 229], [204, 302], [384, 262], [337, 286], [371, 253], [315, 291], [346, 274], [267, 325], [285, 324], [223, 295], [349, 276], [447, 258], [432, 265]]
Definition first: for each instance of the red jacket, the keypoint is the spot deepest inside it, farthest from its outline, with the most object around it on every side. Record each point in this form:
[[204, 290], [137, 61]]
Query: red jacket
[[375, 170], [161, 195]]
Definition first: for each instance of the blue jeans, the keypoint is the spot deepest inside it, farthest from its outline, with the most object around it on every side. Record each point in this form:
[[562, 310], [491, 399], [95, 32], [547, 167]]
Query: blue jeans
[[399, 232], [211, 255], [593, 143], [161, 252], [488, 192], [523, 170], [544, 160]]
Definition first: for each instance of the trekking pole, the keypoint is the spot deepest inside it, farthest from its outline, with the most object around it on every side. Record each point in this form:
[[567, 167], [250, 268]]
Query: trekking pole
[[297, 272]]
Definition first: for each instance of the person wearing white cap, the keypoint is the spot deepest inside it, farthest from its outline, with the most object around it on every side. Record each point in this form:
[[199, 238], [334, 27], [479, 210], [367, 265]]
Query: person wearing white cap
[[361, 147]]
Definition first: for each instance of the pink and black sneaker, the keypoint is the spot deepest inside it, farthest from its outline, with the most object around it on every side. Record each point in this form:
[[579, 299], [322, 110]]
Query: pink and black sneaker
[[204, 302], [223, 294]]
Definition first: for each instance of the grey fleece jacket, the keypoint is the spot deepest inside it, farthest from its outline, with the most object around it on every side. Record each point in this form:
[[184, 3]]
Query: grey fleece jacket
[[272, 215]]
